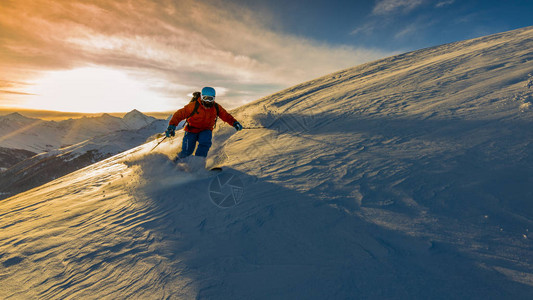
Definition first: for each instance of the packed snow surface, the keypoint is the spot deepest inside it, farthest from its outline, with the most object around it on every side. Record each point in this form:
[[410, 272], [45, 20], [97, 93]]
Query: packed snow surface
[[407, 178]]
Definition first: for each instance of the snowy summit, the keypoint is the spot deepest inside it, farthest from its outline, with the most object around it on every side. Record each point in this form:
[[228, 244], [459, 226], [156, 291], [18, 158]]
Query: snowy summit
[[136, 119]]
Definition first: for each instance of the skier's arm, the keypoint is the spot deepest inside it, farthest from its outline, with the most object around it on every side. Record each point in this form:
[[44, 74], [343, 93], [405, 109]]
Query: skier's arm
[[181, 114], [225, 116]]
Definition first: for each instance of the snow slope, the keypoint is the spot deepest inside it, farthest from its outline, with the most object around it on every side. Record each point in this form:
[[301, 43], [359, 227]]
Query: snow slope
[[407, 178]]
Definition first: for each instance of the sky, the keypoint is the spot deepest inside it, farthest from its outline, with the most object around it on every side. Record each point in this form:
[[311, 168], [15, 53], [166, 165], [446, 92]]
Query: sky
[[114, 56]]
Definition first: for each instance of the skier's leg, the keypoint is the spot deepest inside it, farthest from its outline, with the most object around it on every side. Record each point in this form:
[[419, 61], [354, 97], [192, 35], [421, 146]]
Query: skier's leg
[[188, 144], [204, 143]]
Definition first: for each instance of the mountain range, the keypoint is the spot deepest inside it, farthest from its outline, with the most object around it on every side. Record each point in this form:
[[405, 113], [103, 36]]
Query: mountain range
[[37, 135], [94, 139]]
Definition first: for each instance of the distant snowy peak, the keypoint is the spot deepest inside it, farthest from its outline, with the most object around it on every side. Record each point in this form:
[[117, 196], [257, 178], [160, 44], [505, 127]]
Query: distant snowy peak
[[134, 114], [136, 119], [17, 117], [108, 116]]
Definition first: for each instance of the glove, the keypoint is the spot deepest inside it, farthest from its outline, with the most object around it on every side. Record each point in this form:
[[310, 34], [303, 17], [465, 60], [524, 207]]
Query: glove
[[237, 125], [171, 131]]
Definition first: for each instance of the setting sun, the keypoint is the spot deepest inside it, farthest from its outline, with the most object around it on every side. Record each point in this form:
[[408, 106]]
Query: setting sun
[[91, 89]]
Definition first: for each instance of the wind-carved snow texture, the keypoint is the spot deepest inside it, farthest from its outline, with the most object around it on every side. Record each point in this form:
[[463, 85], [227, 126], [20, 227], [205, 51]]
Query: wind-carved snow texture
[[405, 178], [527, 97]]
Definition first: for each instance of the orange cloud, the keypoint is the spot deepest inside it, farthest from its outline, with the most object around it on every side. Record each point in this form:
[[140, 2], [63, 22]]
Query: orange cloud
[[174, 46]]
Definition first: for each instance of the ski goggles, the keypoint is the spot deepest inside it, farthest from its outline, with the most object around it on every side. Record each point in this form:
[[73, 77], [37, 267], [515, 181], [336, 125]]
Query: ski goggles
[[208, 98]]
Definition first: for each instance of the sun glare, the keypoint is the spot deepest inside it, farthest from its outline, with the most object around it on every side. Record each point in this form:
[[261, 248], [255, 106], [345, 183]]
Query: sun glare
[[91, 90]]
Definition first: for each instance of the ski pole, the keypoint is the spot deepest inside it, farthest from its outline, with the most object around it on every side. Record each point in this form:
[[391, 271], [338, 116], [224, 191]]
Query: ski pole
[[158, 143], [259, 127]]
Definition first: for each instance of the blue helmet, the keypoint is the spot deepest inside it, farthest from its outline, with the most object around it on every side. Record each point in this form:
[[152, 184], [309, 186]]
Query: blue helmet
[[208, 96], [208, 91]]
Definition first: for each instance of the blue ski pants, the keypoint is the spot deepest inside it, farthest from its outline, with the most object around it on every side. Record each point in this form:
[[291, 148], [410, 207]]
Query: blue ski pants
[[189, 143]]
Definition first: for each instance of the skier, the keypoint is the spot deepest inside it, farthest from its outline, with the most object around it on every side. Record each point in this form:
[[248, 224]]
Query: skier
[[201, 115]]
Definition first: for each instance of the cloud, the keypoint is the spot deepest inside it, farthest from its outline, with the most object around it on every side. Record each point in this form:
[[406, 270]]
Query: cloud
[[365, 29], [444, 3], [171, 46], [385, 7], [14, 93], [406, 31]]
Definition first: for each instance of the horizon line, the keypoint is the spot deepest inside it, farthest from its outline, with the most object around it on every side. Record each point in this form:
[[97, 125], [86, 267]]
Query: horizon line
[[55, 115]]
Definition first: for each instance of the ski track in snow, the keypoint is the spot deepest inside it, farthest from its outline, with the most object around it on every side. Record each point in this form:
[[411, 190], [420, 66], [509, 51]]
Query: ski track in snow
[[409, 177]]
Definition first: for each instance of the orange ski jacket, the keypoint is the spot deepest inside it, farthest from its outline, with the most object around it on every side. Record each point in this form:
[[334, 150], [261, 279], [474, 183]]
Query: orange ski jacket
[[203, 119]]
